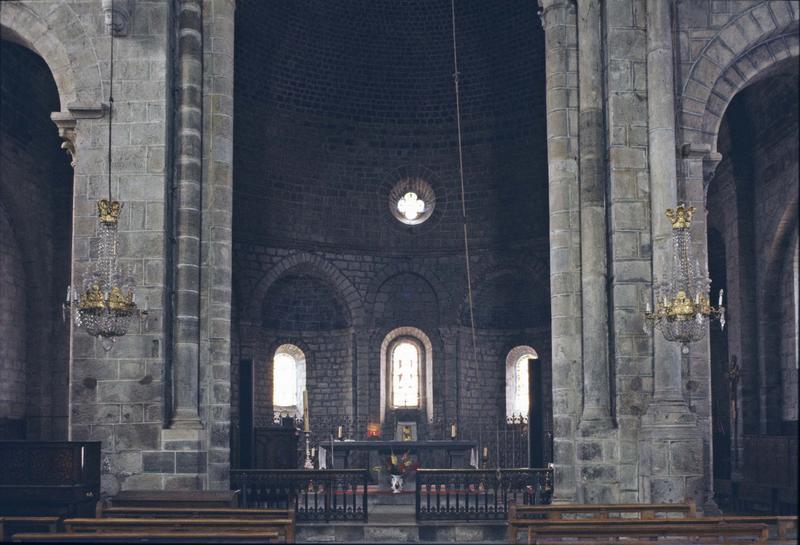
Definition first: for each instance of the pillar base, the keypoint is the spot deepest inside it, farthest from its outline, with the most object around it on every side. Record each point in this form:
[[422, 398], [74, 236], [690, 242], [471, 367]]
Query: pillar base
[[186, 420], [595, 426], [671, 455]]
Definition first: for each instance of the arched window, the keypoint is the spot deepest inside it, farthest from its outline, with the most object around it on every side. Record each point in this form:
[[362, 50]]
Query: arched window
[[518, 381], [406, 374], [288, 379]]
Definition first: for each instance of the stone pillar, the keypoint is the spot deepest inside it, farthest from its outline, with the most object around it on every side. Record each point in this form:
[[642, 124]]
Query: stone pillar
[[217, 238], [671, 454], [558, 18], [189, 82], [698, 166], [663, 180], [594, 264]]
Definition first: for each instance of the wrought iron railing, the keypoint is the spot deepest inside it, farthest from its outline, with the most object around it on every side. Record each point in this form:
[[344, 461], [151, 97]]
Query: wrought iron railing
[[315, 495], [479, 494]]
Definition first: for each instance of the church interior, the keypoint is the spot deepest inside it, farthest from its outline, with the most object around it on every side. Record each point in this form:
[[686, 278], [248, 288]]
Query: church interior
[[416, 271]]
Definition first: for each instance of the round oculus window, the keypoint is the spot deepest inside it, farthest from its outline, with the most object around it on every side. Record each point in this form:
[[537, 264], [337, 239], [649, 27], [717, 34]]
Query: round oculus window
[[412, 201]]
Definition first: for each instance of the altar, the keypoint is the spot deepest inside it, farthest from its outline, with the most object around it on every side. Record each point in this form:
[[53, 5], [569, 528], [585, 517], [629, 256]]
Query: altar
[[458, 451]]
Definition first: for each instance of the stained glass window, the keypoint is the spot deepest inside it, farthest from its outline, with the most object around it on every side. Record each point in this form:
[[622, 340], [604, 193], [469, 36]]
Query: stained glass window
[[284, 383], [405, 374]]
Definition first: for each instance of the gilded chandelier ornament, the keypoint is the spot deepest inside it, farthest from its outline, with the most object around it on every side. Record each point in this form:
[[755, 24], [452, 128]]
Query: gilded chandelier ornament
[[682, 309], [107, 301]]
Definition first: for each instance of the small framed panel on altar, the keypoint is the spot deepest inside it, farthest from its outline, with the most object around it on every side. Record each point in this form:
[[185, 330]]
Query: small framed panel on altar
[[406, 431]]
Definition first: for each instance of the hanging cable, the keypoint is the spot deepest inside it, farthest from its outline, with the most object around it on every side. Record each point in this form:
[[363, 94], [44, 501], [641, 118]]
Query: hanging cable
[[110, 96], [461, 178]]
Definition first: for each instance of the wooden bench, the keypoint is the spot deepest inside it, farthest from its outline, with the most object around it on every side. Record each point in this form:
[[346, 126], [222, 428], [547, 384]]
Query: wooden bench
[[175, 498], [283, 519], [148, 537], [280, 527], [694, 529], [519, 516], [12, 525], [603, 511], [782, 522], [192, 512]]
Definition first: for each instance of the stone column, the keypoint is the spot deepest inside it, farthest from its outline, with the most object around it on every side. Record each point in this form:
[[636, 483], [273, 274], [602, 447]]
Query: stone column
[[558, 18], [698, 166], [663, 180], [217, 238], [671, 454], [189, 82], [594, 290]]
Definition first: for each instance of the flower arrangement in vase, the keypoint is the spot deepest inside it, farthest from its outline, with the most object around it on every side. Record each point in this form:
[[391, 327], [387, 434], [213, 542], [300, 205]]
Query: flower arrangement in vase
[[398, 468]]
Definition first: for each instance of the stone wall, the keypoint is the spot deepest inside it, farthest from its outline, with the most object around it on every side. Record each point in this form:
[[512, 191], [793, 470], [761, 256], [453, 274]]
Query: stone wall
[[35, 189], [12, 352], [373, 295]]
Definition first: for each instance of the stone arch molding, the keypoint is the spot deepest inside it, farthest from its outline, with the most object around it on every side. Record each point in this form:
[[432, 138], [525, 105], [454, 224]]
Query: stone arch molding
[[743, 51], [59, 38], [443, 296], [316, 265], [538, 271]]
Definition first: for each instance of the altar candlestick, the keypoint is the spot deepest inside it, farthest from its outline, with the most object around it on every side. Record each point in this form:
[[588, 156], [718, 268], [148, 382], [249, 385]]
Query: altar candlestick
[[453, 431], [720, 298], [306, 423], [485, 453], [339, 433]]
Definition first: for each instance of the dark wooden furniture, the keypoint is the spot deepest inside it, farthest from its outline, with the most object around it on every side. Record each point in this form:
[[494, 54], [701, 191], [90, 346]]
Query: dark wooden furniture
[[275, 447], [686, 528], [521, 517], [783, 523], [148, 537], [13, 525], [49, 477], [602, 511], [175, 498], [283, 520], [457, 450]]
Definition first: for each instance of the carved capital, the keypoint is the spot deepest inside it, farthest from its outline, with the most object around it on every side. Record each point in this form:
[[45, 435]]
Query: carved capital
[[702, 152], [67, 123], [118, 15]]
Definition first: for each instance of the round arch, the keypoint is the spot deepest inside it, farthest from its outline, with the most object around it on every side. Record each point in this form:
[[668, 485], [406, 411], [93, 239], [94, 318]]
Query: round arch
[[741, 53], [46, 35], [442, 294], [314, 265]]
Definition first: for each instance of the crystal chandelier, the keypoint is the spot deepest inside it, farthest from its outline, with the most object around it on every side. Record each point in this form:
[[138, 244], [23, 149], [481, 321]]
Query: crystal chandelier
[[107, 299], [682, 306]]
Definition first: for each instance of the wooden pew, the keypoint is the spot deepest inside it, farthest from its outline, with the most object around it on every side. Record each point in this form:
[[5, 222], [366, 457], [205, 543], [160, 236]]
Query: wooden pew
[[284, 519], [12, 525], [782, 522], [694, 529], [603, 511], [281, 527], [148, 537], [175, 498]]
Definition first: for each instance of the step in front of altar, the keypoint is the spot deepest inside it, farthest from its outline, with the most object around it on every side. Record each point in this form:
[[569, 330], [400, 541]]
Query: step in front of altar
[[396, 523]]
